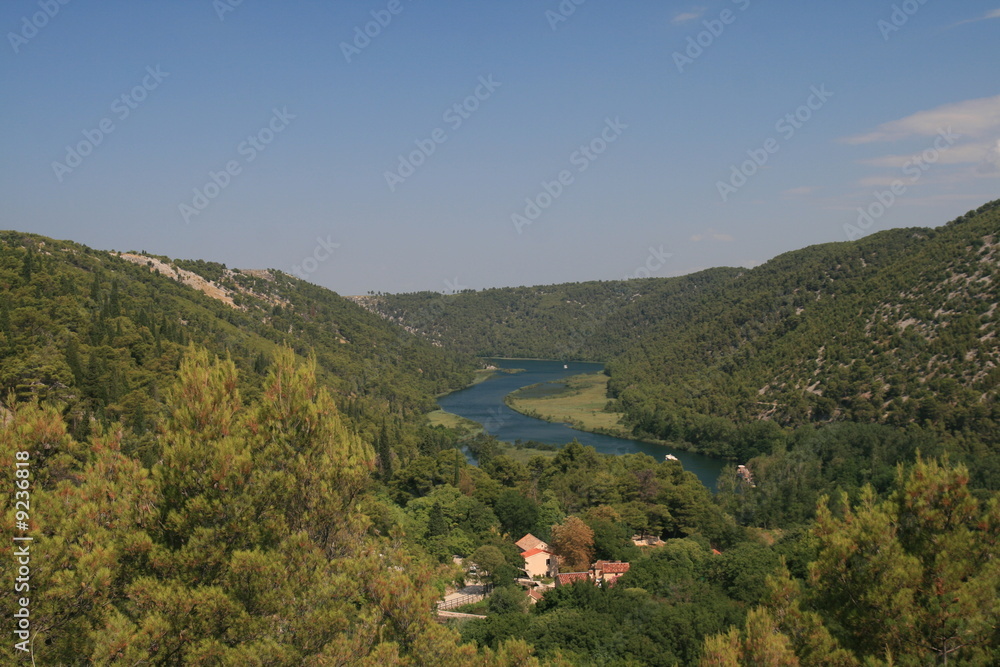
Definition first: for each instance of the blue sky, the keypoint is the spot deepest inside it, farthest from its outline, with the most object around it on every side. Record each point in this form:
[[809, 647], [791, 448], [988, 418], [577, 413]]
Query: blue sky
[[248, 133]]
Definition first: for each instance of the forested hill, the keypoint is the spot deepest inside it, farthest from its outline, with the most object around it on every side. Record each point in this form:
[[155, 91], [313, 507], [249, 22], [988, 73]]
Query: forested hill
[[898, 327], [102, 333], [591, 321], [194, 491]]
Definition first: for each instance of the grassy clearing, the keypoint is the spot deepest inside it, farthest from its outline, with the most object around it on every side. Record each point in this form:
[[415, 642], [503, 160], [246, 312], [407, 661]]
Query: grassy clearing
[[525, 454], [579, 401], [450, 420], [482, 607], [482, 374]]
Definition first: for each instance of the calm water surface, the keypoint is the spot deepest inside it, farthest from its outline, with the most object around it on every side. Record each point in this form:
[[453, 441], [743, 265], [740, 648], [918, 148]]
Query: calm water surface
[[484, 403]]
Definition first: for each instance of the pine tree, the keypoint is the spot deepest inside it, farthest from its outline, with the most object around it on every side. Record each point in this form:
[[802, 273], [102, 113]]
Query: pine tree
[[73, 360], [436, 523], [95, 289], [88, 506], [320, 468], [915, 575], [260, 363], [114, 300], [384, 452], [28, 265], [5, 315]]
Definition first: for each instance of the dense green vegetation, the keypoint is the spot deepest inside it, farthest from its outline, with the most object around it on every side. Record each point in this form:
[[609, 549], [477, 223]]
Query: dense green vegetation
[[102, 337], [238, 467], [689, 593], [257, 538], [589, 321], [903, 575], [898, 328]]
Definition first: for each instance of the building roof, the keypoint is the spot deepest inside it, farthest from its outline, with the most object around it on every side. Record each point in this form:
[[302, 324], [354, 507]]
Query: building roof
[[569, 577], [529, 542], [613, 568], [533, 552]]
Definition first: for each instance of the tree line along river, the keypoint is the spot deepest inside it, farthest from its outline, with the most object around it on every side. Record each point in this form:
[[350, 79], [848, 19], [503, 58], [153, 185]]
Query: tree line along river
[[484, 403]]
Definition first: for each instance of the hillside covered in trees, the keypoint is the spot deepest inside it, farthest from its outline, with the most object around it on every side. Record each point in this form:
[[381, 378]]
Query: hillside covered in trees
[[590, 321], [235, 467], [897, 328], [101, 334]]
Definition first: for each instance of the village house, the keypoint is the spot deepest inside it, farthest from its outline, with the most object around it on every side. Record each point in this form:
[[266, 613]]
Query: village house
[[569, 578], [539, 560], [539, 563], [603, 572], [647, 541], [529, 542], [607, 572]]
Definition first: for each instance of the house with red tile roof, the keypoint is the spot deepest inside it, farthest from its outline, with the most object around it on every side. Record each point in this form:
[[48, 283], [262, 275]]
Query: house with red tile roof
[[607, 572], [568, 578], [529, 542], [536, 594], [611, 567], [539, 562], [604, 572]]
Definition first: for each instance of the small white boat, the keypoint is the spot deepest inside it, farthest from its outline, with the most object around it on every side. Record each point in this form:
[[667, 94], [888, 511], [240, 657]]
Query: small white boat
[[565, 365]]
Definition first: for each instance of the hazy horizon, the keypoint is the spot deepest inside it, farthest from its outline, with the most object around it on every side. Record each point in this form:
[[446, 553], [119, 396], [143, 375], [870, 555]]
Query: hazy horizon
[[457, 146]]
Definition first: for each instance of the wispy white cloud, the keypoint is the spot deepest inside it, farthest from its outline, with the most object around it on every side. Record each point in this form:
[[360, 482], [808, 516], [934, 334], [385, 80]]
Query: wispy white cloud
[[800, 191], [995, 14], [991, 163], [878, 181], [712, 235], [693, 15], [973, 147], [971, 153], [934, 200], [974, 118]]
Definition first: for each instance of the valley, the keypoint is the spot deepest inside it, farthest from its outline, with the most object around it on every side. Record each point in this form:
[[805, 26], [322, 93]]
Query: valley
[[352, 434], [500, 334]]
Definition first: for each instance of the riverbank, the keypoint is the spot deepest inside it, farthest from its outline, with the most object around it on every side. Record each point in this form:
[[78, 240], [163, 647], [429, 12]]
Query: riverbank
[[481, 375], [464, 426], [579, 401], [486, 403]]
